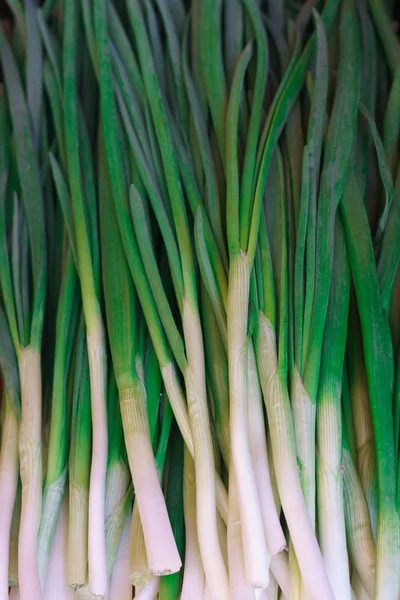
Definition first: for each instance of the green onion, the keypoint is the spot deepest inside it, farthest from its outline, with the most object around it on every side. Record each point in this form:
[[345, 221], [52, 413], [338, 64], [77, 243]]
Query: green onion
[[79, 466], [91, 308], [28, 341], [56, 471], [8, 486], [162, 553], [199, 293], [331, 523], [379, 369]]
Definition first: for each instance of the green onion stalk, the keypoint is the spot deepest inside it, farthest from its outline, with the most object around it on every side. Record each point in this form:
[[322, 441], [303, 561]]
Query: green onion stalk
[[255, 552], [170, 584], [115, 526], [30, 467], [272, 368], [360, 539], [272, 591], [26, 329], [145, 288], [9, 466], [388, 37], [368, 97], [193, 574], [194, 374], [391, 125], [8, 486], [194, 371], [362, 531], [13, 553], [358, 590], [161, 548], [239, 586], [380, 377], [273, 379], [55, 585], [216, 365], [363, 430], [87, 259], [120, 583], [331, 520], [216, 342], [56, 472], [150, 590], [304, 407], [139, 566], [274, 536], [119, 492], [79, 465], [340, 135], [145, 583], [212, 558]]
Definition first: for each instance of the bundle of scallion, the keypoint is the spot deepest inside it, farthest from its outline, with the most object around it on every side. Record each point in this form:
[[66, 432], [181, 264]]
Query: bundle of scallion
[[199, 300]]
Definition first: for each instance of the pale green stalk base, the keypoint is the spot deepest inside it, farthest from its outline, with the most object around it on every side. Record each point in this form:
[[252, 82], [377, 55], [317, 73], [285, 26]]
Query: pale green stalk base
[[366, 466], [52, 500], [30, 456], [14, 535], [162, 553], [149, 591], [120, 587], [285, 460], [240, 589], [331, 522], [294, 574], [178, 404], [274, 484], [138, 566], [280, 571], [193, 574], [304, 415], [118, 478], [365, 447], [8, 489], [387, 582], [223, 541], [358, 525], [114, 528], [45, 456], [119, 498], [77, 554], [358, 590], [273, 532], [272, 591], [222, 536], [97, 490], [255, 551], [55, 586], [195, 383]]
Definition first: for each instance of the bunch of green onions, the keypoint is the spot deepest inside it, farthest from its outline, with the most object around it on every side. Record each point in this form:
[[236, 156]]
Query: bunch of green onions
[[199, 300]]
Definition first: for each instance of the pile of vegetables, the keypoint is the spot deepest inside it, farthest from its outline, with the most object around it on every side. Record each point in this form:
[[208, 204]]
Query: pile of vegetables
[[199, 300]]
